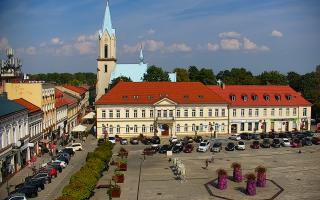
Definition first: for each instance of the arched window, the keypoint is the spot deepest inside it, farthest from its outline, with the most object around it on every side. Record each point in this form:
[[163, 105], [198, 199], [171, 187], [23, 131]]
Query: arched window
[[151, 128], [143, 128], [118, 129], [135, 129], [193, 127], [127, 129], [201, 127], [106, 51], [111, 129], [178, 127], [186, 128]]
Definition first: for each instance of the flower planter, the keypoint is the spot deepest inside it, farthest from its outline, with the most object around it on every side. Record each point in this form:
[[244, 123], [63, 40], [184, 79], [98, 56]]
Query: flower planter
[[251, 187], [122, 166], [237, 175], [261, 180], [222, 182], [115, 192], [118, 178]]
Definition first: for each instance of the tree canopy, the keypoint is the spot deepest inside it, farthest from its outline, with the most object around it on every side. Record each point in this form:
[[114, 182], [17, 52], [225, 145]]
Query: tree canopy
[[155, 73], [115, 81]]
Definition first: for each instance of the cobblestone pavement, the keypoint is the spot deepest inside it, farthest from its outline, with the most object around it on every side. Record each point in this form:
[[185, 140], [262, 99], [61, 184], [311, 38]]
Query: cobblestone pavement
[[54, 189], [297, 173]]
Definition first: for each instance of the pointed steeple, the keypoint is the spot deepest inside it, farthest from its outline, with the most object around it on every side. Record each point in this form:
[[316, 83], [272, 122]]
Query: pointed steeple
[[141, 58], [107, 23]]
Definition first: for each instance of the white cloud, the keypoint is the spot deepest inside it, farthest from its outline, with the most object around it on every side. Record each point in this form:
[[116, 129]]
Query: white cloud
[[264, 48], [65, 50], [276, 33], [230, 34], [152, 45], [230, 44], [181, 47], [84, 38], [56, 41], [151, 31], [85, 47], [4, 44], [248, 45], [213, 47]]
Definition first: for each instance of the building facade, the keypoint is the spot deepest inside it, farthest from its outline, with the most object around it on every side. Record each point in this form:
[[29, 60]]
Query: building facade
[[265, 108], [62, 113], [161, 108]]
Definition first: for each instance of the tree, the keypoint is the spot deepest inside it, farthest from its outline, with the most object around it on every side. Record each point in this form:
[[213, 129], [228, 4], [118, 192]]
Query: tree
[[273, 78], [238, 76], [193, 73], [115, 81], [294, 80], [182, 75], [206, 76], [155, 74]]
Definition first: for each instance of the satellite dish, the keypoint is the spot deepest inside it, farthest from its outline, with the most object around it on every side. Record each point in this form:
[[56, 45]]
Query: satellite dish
[[18, 143]]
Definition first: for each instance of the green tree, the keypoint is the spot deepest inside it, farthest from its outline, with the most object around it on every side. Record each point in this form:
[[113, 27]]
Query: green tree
[[115, 81], [207, 77], [155, 74], [182, 75], [193, 73], [294, 80], [273, 78], [238, 76]]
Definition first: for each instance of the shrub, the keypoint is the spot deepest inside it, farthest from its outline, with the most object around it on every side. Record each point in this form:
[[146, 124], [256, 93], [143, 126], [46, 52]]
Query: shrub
[[65, 198], [76, 190]]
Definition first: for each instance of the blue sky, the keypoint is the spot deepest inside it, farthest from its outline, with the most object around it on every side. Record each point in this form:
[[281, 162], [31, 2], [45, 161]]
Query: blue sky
[[61, 36]]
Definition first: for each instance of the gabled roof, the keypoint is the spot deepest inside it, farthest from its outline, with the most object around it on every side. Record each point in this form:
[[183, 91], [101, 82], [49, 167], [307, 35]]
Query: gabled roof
[[60, 100], [288, 96], [31, 107], [79, 90], [69, 99], [152, 92], [7, 106]]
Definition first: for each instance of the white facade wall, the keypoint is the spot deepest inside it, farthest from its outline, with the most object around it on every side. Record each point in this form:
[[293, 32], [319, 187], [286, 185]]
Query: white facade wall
[[62, 116]]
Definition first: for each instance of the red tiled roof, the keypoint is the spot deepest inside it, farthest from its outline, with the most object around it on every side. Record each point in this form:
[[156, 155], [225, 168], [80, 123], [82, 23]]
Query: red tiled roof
[[260, 91], [76, 89], [69, 99], [62, 99], [31, 107], [151, 92]]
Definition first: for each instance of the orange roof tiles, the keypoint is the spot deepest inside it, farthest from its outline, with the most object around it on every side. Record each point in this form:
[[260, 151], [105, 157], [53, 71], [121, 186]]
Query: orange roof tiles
[[260, 91], [76, 89], [31, 107], [152, 92]]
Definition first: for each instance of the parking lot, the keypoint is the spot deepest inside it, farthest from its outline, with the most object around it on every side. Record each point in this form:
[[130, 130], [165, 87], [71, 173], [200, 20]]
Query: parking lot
[[296, 174]]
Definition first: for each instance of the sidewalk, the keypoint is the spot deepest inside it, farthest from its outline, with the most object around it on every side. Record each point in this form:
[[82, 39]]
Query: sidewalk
[[21, 175]]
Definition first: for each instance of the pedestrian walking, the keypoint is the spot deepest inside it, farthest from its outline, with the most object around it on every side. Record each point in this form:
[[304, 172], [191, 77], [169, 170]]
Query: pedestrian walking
[[212, 159], [207, 163]]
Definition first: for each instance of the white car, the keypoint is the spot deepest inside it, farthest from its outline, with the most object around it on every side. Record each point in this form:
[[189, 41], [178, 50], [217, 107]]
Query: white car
[[235, 137], [173, 139], [60, 162], [241, 146], [75, 147], [112, 140], [203, 146], [17, 196], [286, 142]]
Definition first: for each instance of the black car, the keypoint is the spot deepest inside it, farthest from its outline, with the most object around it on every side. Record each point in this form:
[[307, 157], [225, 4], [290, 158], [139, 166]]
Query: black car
[[198, 139], [177, 148], [29, 191], [36, 183], [165, 148], [146, 141], [306, 141], [230, 146], [134, 141], [255, 136], [69, 151], [246, 136], [56, 166], [62, 158], [308, 134], [44, 177], [155, 140], [265, 143], [276, 143]]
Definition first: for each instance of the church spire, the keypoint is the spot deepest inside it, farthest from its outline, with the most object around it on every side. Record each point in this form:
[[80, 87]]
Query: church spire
[[107, 23], [141, 58]]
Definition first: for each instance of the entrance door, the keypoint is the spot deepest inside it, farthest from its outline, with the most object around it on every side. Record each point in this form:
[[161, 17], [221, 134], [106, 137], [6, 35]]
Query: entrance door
[[234, 128], [165, 130], [287, 126]]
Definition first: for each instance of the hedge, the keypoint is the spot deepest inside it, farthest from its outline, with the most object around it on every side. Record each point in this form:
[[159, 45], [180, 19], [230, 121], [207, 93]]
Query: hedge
[[83, 182]]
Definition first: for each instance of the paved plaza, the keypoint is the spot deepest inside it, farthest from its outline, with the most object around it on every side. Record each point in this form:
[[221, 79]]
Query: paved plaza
[[291, 175]]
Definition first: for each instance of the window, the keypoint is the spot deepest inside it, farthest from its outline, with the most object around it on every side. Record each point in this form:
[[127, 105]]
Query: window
[[280, 111], [110, 113], [135, 129], [267, 97], [118, 113], [201, 112], [118, 129], [159, 113], [151, 113], [264, 112], [242, 112], [111, 129], [256, 126], [106, 68], [304, 112], [135, 113], [250, 112], [106, 51], [294, 111], [186, 113], [250, 126], [165, 113], [254, 97], [103, 115], [201, 127], [143, 113], [222, 127], [256, 112], [233, 98], [193, 127], [234, 112], [193, 112], [143, 128], [223, 112], [127, 113], [242, 127], [287, 111], [277, 97], [127, 129], [186, 128], [210, 113], [151, 128], [289, 97], [272, 112], [178, 128], [178, 113], [216, 126], [216, 112], [106, 90], [245, 98]]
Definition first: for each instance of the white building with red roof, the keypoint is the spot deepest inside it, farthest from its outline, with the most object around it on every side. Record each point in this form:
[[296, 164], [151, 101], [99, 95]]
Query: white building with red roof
[[265, 108], [161, 108]]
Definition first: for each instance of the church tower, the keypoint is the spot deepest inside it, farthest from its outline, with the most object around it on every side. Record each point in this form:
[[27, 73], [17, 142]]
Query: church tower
[[107, 54]]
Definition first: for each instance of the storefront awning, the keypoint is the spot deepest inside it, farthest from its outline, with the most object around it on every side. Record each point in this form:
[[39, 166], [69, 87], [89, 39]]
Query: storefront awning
[[79, 128], [90, 115]]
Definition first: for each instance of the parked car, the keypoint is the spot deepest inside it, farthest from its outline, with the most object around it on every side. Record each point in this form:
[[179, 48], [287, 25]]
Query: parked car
[[256, 136], [286, 142], [216, 147], [70, 151], [188, 139], [101, 141], [57, 166], [44, 177], [315, 140], [134, 141], [75, 147], [235, 137], [296, 143], [155, 147], [188, 148], [52, 172], [146, 141], [37, 183], [203, 146], [266, 143], [28, 190], [173, 139], [241, 146], [308, 134], [155, 140], [276, 143], [62, 158], [246, 136], [17, 196], [177, 148], [164, 148], [59, 162], [230, 146], [255, 144], [112, 139], [306, 141], [198, 139], [123, 141], [66, 155]]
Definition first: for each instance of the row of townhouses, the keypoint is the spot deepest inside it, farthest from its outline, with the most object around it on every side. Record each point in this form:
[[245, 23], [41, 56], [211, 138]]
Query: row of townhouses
[[35, 115], [189, 108]]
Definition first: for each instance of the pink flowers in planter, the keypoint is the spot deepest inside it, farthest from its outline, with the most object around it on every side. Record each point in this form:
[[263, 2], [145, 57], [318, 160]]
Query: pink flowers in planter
[[237, 172], [251, 184], [261, 176], [222, 179]]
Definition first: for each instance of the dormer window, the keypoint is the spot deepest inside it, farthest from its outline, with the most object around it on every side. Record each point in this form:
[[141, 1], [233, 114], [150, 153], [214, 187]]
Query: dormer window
[[245, 97], [135, 97], [277, 97], [254, 97], [150, 97], [125, 97], [200, 96], [289, 97], [186, 97], [233, 97], [266, 97]]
